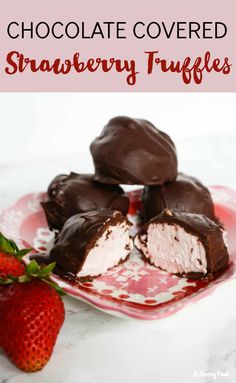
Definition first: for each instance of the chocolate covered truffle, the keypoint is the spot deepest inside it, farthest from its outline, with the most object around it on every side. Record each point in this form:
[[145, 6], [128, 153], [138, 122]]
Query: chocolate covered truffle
[[133, 151], [78, 193], [186, 193], [184, 243], [91, 243]]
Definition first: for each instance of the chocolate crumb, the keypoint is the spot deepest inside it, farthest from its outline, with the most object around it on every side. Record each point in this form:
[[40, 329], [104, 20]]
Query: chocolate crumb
[[108, 234]]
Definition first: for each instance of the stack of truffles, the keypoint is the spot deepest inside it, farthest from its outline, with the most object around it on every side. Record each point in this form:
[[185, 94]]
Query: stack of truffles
[[180, 233]]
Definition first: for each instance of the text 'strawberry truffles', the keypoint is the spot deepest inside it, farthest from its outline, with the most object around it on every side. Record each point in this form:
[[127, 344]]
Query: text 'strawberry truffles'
[[145, 48]]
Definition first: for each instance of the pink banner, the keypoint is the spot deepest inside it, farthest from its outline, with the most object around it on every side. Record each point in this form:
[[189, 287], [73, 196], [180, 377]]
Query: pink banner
[[120, 46]]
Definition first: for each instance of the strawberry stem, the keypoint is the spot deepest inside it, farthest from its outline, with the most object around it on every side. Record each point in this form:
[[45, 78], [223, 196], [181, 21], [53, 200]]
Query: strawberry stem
[[32, 269], [10, 247]]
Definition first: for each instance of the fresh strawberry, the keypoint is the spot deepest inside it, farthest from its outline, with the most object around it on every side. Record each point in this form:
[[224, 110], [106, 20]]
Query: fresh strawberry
[[9, 265], [31, 315], [10, 258], [31, 309]]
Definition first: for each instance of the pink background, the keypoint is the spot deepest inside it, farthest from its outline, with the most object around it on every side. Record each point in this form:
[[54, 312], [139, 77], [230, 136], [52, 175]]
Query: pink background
[[129, 11]]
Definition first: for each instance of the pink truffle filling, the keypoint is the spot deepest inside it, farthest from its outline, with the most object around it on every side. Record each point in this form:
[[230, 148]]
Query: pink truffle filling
[[112, 247], [173, 249]]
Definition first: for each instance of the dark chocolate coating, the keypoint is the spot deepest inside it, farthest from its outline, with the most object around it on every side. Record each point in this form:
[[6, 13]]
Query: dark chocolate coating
[[186, 194], [78, 237], [132, 151], [77, 193], [208, 232]]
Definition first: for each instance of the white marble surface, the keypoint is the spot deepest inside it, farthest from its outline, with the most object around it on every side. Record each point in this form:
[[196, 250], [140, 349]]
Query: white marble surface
[[197, 344]]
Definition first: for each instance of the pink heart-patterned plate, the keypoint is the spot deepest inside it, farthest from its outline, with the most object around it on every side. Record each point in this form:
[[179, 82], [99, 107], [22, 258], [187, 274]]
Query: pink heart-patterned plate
[[133, 289]]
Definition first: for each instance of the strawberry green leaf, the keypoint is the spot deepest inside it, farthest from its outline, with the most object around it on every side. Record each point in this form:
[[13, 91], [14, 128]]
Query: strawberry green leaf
[[14, 245], [24, 278], [21, 253], [32, 268], [13, 279], [59, 290], [8, 246], [45, 271], [6, 281]]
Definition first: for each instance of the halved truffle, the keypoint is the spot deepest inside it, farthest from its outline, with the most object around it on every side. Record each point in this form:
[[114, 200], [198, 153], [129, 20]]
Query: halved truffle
[[133, 151], [186, 194], [184, 243], [91, 243], [78, 193]]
